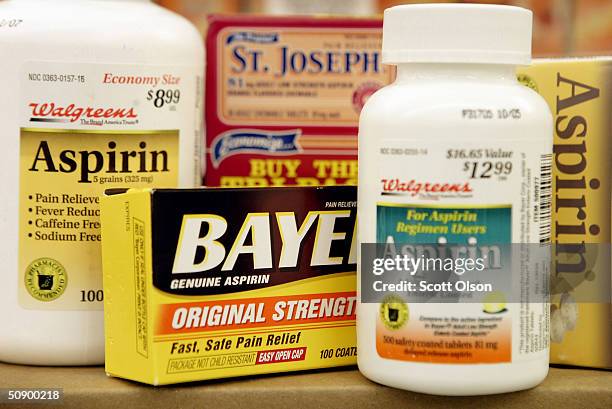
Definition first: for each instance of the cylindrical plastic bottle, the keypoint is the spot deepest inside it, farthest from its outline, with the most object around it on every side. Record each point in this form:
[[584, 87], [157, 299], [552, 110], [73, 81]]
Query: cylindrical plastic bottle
[[95, 95], [454, 151]]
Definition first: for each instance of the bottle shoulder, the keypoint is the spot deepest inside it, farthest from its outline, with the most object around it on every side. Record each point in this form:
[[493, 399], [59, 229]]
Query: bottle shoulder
[[452, 110], [408, 99]]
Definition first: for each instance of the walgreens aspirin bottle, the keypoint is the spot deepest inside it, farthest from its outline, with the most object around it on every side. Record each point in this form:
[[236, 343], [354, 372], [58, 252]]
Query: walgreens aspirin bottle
[[96, 95], [454, 151]]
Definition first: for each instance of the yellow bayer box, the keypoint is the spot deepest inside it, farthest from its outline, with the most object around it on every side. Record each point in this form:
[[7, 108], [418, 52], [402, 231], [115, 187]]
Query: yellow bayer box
[[213, 283], [579, 92]]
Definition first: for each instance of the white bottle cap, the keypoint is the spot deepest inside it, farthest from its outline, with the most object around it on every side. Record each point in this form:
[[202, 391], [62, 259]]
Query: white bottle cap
[[457, 33]]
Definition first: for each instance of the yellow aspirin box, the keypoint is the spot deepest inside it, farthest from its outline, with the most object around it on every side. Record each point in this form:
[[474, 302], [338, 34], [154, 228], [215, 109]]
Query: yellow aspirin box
[[213, 283], [580, 98]]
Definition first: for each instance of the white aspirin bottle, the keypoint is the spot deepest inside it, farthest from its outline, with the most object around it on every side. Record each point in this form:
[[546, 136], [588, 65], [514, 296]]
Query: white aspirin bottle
[[95, 95], [455, 152]]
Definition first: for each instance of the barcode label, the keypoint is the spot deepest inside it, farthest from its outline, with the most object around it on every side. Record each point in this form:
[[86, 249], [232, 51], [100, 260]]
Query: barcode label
[[545, 197]]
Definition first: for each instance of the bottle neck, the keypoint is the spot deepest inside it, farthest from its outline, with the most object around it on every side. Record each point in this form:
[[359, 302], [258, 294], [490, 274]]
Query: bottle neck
[[461, 72]]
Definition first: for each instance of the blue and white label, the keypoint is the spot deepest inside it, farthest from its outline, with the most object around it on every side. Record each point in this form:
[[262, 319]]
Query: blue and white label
[[254, 141], [252, 37]]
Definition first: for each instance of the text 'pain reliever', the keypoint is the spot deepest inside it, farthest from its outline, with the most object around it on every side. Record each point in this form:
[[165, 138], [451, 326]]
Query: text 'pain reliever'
[[96, 94]]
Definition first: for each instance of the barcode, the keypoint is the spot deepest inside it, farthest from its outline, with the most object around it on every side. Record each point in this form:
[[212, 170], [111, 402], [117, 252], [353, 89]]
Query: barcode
[[545, 198]]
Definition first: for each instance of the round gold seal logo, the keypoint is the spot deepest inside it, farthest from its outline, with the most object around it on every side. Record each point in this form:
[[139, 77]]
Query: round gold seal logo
[[394, 312], [45, 279]]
